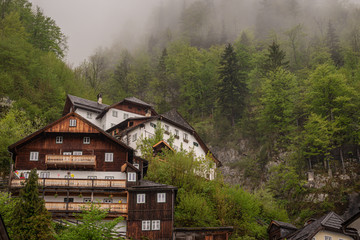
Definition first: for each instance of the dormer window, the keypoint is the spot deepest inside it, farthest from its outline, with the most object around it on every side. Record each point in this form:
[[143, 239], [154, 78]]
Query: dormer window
[[72, 123], [131, 177], [114, 113], [59, 139]]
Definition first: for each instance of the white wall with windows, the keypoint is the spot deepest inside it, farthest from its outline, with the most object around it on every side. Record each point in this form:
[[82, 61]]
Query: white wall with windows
[[116, 116], [324, 235], [84, 198], [89, 115]]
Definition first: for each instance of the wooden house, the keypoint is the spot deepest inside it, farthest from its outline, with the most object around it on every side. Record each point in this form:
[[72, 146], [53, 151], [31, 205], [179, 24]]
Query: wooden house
[[77, 163]]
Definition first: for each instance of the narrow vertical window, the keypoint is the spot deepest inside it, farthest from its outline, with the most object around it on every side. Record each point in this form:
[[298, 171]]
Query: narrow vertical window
[[131, 177], [86, 140], [59, 139], [72, 123], [126, 116], [140, 198], [109, 157], [161, 197], [89, 115], [34, 156], [145, 225], [134, 137], [155, 225], [115, 113]]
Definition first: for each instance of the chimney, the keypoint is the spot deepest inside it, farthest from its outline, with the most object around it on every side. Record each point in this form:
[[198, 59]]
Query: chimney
[[99, 98], [148, 113]]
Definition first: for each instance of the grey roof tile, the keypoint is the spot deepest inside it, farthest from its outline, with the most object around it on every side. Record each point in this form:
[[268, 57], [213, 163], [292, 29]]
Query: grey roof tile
[[88, 104]]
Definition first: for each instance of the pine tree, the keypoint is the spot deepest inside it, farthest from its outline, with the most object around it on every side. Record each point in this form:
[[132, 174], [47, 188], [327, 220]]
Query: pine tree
[[232, 87], [332, 42], [31, 220], [275, 58]]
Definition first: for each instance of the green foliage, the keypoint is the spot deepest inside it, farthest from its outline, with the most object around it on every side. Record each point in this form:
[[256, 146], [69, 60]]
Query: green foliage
[[92, 225], [30, 218]]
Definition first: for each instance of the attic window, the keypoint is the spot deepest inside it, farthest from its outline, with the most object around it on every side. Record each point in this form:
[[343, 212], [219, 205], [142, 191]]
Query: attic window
[[72, 123], [131, 176]]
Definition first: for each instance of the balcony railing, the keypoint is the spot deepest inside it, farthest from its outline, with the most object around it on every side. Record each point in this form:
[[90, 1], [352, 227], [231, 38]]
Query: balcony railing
[[73, 206], [83, 160], [70, 182]]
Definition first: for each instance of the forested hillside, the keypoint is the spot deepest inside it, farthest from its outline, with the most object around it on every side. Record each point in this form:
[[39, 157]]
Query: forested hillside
[[275, 81]]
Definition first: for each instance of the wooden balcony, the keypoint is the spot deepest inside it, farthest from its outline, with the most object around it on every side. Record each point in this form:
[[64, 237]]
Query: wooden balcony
[[71, 160], [75, 207], [70, 182]]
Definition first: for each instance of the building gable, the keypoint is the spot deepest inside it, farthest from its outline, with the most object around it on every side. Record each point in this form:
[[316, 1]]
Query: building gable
[[73, 124]]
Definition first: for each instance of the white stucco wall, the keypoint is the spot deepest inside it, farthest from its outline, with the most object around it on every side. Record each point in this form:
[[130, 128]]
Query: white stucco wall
[[83, 113], [77, 199], [108, 119], [334, 235]]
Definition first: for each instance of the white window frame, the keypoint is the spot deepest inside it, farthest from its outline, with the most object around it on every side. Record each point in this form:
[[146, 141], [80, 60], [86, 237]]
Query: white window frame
[[134, 137], [92, 177], [109, 157], [109, 177], [145, 225], [59, 139], [72, 123], [161, 197], [34, 156], [86, 140], [44, 174], [86, 200], [89, 115], [77, 153], [67, 153], [26, 175], [131, 176], [155, 225], [126, 116], [141, 198], [108, 200], [114, 113]]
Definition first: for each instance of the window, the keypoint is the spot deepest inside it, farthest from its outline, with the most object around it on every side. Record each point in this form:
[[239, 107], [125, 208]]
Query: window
[[34, 156], [153, 125], [167, 129], [77, 153], [131, 177], [107, 200], [44, 174], [92, 177], [68, 200], [109, 157], [26, 175], [59, 139], [114, 113], [161, 197], [185, 137], [176, 133], [328, 238], [109, 177], [145, 225], [67, 153], [140, 198], [89, 115], [86, 200], [136, 165], [196, 144], [134, 137], [72, 122], [155, 224], [86, 140], [126, 116]]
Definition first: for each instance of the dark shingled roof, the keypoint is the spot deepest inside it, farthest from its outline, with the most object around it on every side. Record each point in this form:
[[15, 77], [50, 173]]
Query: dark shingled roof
[[88, 104], [284, 224], [174, 116], [331, 220], [149, 184], [136, 100]]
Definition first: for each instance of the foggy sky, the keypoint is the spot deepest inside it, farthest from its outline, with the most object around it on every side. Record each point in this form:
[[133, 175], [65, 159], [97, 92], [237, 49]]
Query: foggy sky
[[89, 24]]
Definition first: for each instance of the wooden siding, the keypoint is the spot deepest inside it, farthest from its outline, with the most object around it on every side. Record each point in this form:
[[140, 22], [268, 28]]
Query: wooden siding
[[64, 126], [134, 230], [46, 144], [133, 108]]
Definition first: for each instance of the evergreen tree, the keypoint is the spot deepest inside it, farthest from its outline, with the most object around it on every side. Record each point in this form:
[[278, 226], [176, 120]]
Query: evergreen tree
[[31, 220], [232, 87], [275, 58], [332, 42]]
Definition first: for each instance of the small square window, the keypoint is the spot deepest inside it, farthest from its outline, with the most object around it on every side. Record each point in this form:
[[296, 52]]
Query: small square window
[[114, 113], [145, 225], [87, 200], [161, 197], [107, 200], [155, 225], [131, 177], [109, 177], [59, 139], [77, 153], [86, 140], [134, 137], [89, 115], [67, 153], [140, 198], [44, 174], [68, 200], [72, 122], [109, 157], [34, 156], [92, 177], [126, 116]]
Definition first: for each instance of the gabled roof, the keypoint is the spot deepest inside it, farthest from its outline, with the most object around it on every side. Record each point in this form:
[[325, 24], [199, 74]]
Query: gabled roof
[[175, 117], [162, 144], [127, 165], [351, 219], [49, 127], [86, 104], [282, 225], [146, 184], [129, 99], [331, 222]]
